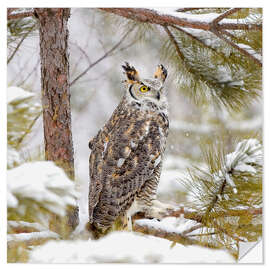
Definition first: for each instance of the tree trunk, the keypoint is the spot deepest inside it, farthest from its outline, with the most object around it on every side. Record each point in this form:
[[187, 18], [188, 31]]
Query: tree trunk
[[54, 58]]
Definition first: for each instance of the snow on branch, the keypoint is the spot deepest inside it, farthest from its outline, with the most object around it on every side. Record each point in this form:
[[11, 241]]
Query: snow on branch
[[211, 22], [32, 238], [170, 16], [18, 13], [22, 226], [41, 182], [229, 192], [246, 157], [16, 94]]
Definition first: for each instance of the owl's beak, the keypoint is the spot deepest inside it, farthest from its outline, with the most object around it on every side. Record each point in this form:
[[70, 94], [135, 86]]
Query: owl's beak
[[158, 96]]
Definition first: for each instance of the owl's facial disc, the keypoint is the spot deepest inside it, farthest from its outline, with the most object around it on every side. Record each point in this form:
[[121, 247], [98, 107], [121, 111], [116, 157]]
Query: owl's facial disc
[[140, 92]]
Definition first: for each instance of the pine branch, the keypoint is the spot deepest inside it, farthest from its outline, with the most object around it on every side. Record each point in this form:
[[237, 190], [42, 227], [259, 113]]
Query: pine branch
[[185, 237], [175, 237], [234, 45], [151, 16], [165, 20], [172, 236], [227, 196]]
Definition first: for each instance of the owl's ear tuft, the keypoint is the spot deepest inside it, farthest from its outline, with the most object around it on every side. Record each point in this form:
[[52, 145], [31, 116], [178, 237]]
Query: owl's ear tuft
[[161, 73], [131, 73]]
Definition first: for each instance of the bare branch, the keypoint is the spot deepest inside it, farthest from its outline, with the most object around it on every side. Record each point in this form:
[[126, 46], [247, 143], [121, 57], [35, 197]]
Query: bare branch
[[30, 73], [20, 43], [108, 53], [28, 130]]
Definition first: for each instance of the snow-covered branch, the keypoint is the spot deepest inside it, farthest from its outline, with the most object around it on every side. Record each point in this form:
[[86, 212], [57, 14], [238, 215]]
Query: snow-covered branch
[[172, 17], [41, 182], [212, 22], [32, 238], [19, 13]]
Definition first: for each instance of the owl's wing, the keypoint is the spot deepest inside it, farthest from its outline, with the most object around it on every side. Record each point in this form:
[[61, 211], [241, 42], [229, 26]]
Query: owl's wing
[[98, 145], [131, 155]]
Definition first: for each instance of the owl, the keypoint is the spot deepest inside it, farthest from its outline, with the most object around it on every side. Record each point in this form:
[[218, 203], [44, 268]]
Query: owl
[[126, 154]]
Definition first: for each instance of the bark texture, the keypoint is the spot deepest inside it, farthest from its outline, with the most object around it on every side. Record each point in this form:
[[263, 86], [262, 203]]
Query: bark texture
[[55, 87]]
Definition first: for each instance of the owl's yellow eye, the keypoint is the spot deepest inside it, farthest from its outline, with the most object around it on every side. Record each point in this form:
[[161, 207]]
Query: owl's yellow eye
[[144, 89]]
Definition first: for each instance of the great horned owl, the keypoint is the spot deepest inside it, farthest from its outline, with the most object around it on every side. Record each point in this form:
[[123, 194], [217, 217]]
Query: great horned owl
[[126, 157]]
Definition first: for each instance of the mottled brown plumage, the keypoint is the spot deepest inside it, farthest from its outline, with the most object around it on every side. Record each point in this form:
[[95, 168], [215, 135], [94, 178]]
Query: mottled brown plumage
[[126, 157]]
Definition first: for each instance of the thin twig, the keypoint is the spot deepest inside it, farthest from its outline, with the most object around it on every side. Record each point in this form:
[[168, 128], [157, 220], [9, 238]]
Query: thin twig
[[202, 234], [173, 40], [187, 9], [20, 43], [225, 14], [83, 52], [78, 61], [29, 74], [29, 129], [108, 53]]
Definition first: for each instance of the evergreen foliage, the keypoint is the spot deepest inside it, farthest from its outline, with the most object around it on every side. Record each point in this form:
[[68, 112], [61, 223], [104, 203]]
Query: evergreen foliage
[[23, 111], [227, 195]]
